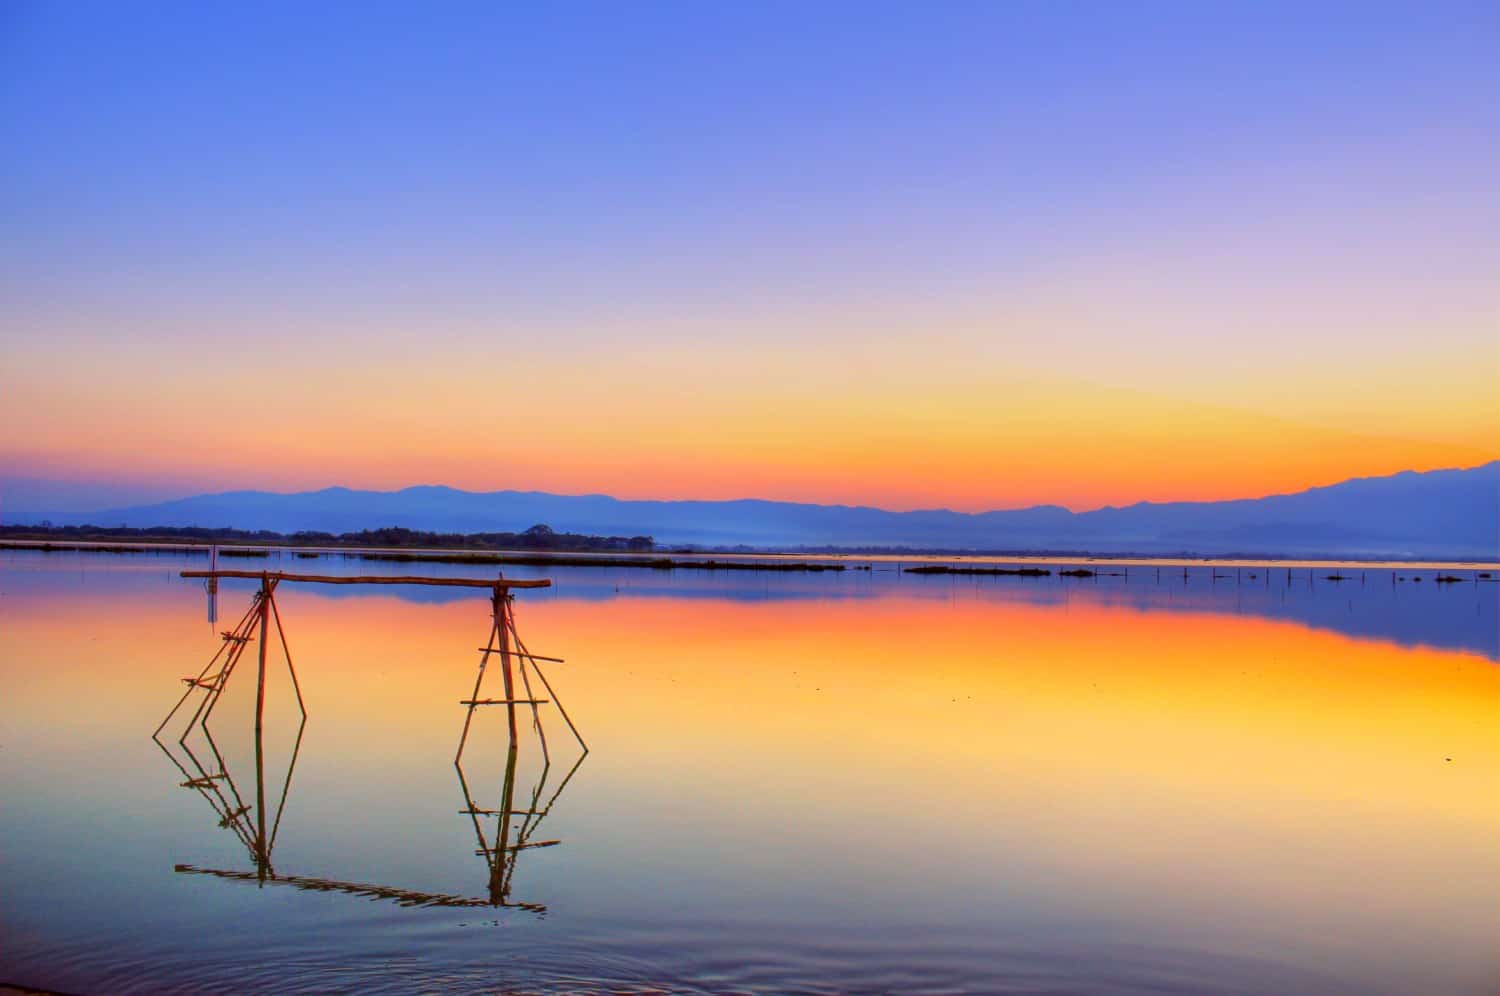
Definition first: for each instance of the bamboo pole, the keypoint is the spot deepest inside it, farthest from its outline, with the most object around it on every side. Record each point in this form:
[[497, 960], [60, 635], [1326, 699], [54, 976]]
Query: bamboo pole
[[372, 579], [211, 661], [480, 702], [236, 641], [260, 745], [501, 601], [292, 670], [536, 714], [548, 686], [526, 653]]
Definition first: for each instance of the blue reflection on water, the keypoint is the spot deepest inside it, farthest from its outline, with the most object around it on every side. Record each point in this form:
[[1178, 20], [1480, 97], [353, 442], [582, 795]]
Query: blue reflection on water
[[1374, 603]]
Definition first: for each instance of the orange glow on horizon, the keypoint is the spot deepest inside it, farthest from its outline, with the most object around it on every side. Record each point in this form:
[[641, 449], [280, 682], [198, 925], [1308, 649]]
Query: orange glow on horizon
[[969, 444]]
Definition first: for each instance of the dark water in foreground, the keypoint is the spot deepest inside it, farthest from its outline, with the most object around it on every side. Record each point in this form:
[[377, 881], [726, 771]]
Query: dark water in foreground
[[827, 783]]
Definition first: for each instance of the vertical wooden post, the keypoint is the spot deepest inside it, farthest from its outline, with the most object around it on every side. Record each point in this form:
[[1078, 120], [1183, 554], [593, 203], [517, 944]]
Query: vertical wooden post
[[502, 623], [213, 586], [260, 745]]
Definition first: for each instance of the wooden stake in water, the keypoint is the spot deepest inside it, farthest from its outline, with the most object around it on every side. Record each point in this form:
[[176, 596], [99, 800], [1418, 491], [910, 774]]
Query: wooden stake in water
[[502, 623], [260, 745]]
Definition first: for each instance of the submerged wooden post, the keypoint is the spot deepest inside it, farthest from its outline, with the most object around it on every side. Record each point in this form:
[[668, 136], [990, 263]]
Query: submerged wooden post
[[260, 746], [502, 623]]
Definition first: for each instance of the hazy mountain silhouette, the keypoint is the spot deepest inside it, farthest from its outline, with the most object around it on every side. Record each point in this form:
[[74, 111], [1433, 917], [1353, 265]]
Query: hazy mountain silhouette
[[1451, 513]]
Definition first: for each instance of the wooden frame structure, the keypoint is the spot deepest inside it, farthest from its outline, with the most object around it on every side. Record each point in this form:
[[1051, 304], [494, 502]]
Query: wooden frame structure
[[516, 828]]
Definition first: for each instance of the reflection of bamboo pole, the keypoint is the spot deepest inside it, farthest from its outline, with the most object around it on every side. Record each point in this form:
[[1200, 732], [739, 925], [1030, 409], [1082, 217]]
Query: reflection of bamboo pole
[[207, 786], [512, 836], [402, 897], [498, 874], [240, 806], [286, 787], [474, 813]]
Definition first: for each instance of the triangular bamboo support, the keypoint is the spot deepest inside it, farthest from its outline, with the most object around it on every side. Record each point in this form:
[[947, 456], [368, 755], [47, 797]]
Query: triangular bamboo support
[[517, 824]]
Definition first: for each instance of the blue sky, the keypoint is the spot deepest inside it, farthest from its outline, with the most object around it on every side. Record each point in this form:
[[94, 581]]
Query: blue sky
[[1190, 200]]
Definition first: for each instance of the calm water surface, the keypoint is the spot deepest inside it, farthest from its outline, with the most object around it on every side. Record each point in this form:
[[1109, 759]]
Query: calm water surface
[[863, 781]]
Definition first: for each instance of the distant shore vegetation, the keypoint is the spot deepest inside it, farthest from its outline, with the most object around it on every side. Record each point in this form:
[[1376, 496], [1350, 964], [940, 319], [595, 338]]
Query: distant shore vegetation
[[538, 537], [542, 545], [538, 546]]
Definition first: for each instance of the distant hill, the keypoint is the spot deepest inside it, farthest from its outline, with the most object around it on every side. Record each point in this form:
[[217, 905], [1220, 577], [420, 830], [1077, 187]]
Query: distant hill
[[1441, 513]]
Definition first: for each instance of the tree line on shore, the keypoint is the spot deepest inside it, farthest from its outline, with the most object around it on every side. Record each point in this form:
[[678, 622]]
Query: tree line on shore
[[538, 537]]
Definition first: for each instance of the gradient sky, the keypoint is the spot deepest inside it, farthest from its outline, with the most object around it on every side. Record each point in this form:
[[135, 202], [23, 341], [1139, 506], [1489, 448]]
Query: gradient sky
[[913, 255]]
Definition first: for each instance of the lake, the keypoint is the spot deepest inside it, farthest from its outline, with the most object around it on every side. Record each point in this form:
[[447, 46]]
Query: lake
[[865, 781]]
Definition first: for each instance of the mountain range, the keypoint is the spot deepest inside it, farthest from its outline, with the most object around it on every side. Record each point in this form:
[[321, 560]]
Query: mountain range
[[1440, 513]]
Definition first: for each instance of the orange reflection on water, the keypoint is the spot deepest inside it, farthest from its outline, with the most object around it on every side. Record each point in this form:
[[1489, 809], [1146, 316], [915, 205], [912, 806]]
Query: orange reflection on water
[[1258, 783]]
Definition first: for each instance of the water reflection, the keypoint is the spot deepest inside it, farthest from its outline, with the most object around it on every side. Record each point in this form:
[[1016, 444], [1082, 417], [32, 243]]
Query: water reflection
[[516, 828], [1383, 602], [219, 790], [1148, 787], [516, 832]]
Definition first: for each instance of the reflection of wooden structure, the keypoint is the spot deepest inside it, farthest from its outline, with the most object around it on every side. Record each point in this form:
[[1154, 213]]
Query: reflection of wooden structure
[[230, 805], [517, 834], [516, 828]]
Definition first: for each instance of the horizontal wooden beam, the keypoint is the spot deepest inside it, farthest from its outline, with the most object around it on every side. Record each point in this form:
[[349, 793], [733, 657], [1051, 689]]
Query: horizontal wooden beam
[[487, 851], [521, 653], [375, 579], [479, 702]]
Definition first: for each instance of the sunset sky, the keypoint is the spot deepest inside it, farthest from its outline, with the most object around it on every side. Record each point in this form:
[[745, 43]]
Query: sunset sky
[[911, 255]]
